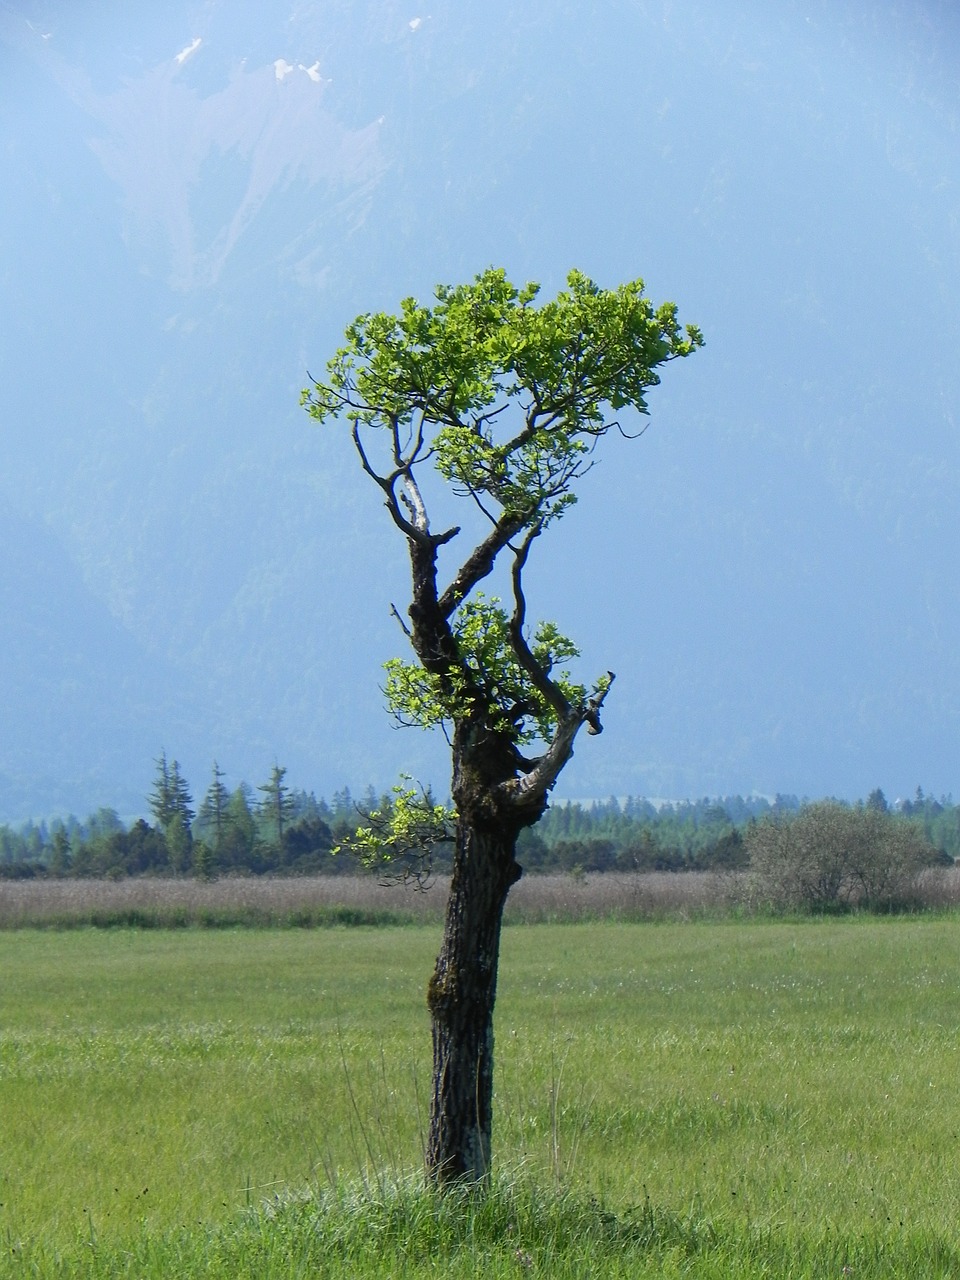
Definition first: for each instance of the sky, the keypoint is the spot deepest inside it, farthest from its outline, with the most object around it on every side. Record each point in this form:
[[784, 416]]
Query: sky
[[200, 199]]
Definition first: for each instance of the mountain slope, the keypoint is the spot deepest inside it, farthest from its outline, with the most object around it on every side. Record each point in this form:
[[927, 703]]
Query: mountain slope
[[200, 200]]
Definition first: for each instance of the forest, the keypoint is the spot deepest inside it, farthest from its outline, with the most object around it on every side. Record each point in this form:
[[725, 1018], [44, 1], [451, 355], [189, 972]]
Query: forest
[[277, 829]]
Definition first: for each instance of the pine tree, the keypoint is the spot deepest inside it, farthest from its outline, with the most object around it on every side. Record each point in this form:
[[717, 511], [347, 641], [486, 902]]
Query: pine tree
[[277, 806], [202, 860], [159, 798], [239, 832], [180, 796], [212, 817], [170, 803]]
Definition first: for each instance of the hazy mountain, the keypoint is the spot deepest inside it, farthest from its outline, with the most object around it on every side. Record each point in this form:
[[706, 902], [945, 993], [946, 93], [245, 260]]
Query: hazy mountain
[[198, 200], [74, 684]]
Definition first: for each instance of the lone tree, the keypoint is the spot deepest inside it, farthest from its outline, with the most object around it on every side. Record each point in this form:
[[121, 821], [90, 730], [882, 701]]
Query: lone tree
[[506, 400]]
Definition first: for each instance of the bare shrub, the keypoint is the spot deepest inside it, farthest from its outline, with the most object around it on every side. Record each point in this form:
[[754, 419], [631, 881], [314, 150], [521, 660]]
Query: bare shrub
[[938, 889], [829, 857]]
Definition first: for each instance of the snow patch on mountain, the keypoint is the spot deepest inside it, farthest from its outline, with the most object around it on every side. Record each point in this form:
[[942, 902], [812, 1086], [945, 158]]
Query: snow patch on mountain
[[160, 141], [191, 49]]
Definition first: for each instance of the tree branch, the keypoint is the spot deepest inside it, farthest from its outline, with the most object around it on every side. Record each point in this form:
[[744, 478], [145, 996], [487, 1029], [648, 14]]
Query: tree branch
[[417, 528], [403, 626], [479, 564], [538, 676], [528, 790]]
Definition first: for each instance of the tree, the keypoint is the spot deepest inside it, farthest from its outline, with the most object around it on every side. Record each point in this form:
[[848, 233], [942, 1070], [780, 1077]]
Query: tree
[[277, 805], [240, 832], [181, 798], [179, 843], [505, 400], [202, 860], [170, 803], [160, 798], [60, 854], [212, 817], [877, 800], [170, 796], [145, 848], [307, 844]]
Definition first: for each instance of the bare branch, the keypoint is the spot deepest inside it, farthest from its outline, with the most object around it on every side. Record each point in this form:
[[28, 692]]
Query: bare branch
[[480, 420], [413, 501], [631, 435], [538, 676], [479, 564], [403, 626], [417, 527], [386, 483]]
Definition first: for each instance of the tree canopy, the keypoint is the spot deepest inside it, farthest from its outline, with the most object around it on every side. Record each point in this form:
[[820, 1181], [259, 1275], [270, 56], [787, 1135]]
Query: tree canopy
[[506, 400]]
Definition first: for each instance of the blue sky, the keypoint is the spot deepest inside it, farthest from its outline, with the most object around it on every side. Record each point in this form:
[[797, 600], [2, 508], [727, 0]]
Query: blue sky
[[770, 569]]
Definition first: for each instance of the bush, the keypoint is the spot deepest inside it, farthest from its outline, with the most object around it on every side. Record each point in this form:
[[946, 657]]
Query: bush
[[829, 857]]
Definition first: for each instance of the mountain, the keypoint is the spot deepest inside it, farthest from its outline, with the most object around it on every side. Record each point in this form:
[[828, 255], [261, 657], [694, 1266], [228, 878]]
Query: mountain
[[199, 199], [75, 686]]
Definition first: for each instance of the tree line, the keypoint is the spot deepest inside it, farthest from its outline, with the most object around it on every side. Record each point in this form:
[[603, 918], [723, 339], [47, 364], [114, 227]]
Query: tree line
[[271, 828], [636, 834], [275, 828]]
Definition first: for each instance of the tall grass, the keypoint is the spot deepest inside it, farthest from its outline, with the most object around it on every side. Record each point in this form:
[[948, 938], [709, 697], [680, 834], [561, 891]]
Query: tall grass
[[152, 902], [317, 901], [351, 900]]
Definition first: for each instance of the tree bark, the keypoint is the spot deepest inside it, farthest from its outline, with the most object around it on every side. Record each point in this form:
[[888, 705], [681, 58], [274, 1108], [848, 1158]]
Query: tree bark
[[461, 997], [493, 806]]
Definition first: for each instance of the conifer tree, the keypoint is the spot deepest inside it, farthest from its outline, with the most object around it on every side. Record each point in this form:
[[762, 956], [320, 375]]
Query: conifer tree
[[212, 816], [277, 805]]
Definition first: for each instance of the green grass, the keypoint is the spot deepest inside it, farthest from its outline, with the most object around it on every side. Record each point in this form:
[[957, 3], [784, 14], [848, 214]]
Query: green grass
[[515, 1230], [704, 1099]]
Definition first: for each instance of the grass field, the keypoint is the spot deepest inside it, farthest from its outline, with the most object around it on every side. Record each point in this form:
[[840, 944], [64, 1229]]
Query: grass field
[[710, 1099]]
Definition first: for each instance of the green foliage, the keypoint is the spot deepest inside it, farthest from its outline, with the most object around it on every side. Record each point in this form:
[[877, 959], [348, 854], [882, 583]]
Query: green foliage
[[400, 838], [240, 831], [484, 342], [482, 631], [60, 855], [613, 835], [203, 861], [505, 398], [635, 835], [179, 844]]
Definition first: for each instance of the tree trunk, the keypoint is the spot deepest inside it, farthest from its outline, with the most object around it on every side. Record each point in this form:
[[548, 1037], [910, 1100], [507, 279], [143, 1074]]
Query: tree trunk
[[461, 996]]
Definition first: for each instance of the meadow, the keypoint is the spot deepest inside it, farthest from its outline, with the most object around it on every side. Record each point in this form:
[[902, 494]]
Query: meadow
[[719, 1098]]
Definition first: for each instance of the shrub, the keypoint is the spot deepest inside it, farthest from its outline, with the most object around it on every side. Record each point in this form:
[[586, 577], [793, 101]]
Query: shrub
[[829, 857]]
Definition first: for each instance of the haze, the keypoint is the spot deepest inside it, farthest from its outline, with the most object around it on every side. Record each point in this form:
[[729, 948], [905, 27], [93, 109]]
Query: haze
[[196, 201]]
